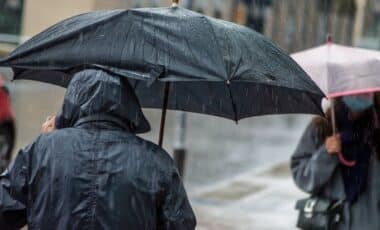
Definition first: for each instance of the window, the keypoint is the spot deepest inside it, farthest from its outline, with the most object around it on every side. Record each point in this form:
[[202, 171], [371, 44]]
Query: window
[[10, 16]]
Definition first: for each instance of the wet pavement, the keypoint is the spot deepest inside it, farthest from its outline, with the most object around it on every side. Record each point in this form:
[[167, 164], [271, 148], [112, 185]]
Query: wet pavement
[[237, 176], [260, 199]]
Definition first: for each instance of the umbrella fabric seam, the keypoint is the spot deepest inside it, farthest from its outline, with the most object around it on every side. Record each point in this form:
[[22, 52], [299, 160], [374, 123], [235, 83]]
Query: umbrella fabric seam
[[206, 19]]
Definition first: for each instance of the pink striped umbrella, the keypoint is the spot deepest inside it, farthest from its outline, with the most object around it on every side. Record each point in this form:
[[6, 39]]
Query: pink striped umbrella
[[341, 70]]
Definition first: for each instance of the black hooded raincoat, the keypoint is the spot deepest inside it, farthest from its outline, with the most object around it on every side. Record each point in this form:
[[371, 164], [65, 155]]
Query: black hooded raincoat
[[94, 172]]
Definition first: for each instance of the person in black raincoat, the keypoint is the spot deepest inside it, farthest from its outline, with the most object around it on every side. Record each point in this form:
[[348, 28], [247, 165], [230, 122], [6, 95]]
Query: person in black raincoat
[[93, 172]]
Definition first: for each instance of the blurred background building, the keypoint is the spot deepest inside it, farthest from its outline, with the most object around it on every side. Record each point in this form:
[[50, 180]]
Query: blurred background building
[[293, 24]]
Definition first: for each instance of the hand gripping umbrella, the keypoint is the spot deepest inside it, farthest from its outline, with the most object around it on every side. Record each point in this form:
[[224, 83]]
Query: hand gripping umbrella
[[174, 59]]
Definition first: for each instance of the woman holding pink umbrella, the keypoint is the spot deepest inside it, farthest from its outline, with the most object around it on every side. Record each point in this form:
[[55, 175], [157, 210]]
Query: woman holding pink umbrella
[[337, 160], [342, 170]]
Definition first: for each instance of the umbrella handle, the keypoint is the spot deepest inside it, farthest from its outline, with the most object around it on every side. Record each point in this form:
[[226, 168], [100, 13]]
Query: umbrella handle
[[163, 113], [345, 162], [333, 118]]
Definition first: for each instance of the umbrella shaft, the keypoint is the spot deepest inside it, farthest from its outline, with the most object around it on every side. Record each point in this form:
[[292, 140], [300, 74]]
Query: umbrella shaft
[[163, 114], [333, 119]]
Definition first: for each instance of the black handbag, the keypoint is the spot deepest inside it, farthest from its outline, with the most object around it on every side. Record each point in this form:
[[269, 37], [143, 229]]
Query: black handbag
[[317, 213]]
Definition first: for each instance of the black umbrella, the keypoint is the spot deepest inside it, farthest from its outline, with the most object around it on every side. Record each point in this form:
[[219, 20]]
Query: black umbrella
[[175, 59]]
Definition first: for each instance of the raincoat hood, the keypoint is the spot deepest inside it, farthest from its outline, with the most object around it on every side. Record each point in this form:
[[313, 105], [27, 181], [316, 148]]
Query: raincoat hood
[[97, 95]]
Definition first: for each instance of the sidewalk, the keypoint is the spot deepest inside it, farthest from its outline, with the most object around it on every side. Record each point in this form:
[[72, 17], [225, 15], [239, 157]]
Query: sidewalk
[[263, 199]]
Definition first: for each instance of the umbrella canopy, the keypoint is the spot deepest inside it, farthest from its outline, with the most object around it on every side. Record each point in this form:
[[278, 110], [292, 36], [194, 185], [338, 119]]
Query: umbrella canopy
[[199, 64], [341, 70]]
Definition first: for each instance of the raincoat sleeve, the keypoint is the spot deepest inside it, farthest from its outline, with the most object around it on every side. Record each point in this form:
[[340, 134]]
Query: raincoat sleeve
[[312, 166], [176, 212], [13, 193]]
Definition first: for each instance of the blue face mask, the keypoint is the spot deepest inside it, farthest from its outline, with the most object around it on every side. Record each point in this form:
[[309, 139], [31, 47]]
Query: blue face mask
[[358, 103]]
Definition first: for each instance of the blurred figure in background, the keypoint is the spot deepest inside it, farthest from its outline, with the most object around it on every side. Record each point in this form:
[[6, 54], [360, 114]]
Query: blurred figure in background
[[93, 172], [317, 168]]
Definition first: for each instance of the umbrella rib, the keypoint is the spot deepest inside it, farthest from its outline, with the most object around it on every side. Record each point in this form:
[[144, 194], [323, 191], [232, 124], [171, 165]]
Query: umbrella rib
[[232, 102]]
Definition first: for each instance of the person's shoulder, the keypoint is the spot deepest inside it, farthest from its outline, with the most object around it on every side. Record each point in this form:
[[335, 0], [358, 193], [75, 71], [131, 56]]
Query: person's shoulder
[[57, 136], [152, 150], [319, 127], [316, 131], [38, 145], [66, 132]]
